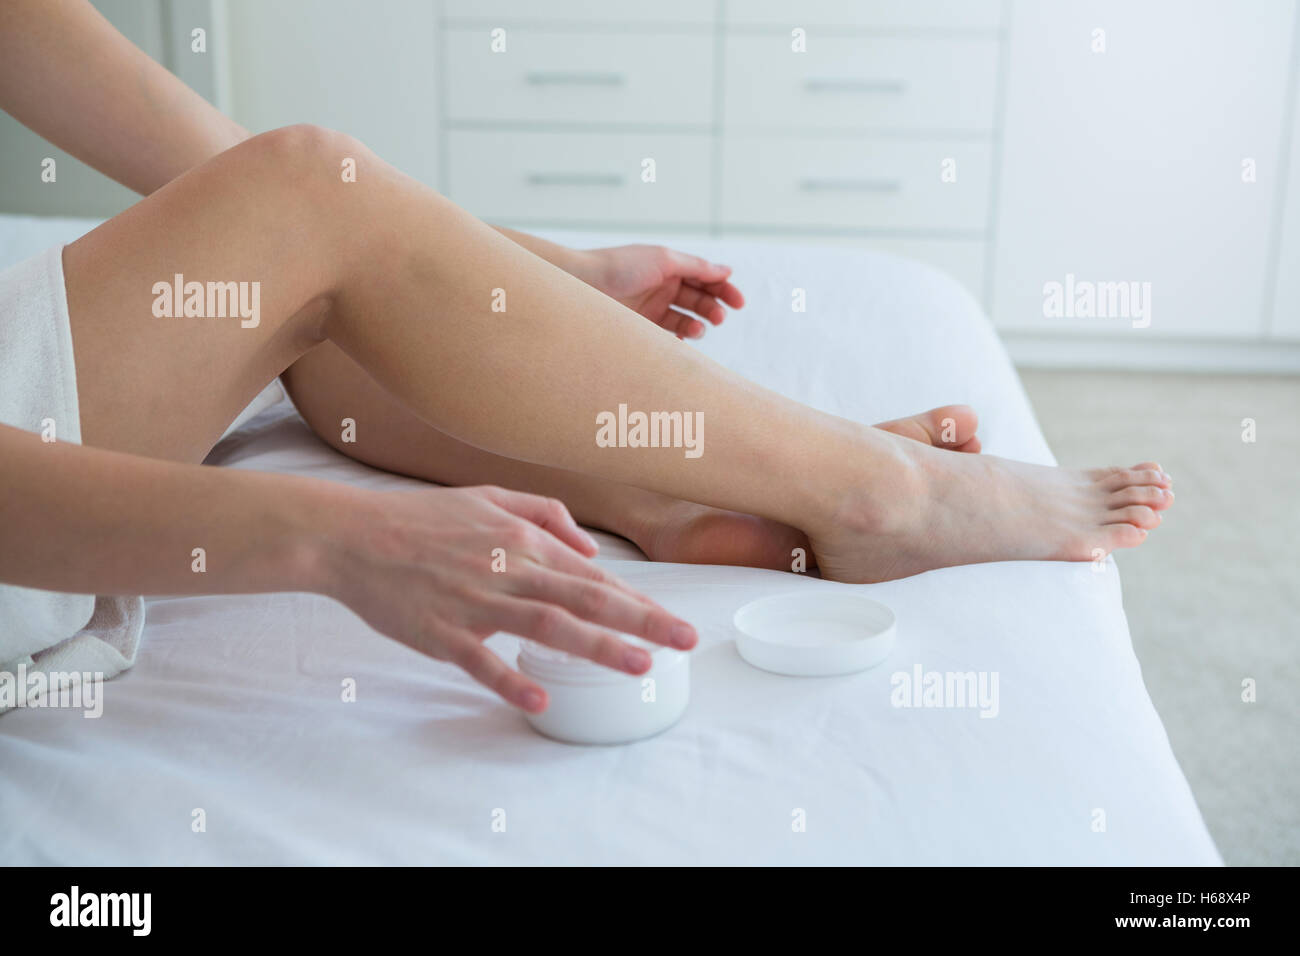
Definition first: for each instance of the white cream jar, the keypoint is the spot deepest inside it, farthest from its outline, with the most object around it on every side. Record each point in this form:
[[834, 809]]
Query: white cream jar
[[593, 704]]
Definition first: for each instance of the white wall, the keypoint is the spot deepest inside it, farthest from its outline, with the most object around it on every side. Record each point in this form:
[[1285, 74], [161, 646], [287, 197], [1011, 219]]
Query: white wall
[[1128, 164], [366, 67]]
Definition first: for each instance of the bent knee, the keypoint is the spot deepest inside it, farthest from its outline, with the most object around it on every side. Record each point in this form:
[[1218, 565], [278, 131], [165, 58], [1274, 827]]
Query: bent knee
[[306, 155]]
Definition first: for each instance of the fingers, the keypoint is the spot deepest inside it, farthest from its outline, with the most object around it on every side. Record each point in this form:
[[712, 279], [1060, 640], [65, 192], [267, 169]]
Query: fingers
[[725, 291], [695, 268], [701, 303], [553, 626], [471, 656], [709, 276], [547, 513], [550, 554], [600, 603], [682, 325]]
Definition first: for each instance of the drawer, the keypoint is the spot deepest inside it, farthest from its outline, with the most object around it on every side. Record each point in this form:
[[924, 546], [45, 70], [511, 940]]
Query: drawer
[[869, 14], [875, 83], [569, 77], [861, 183], [618, 12], [579, 178]]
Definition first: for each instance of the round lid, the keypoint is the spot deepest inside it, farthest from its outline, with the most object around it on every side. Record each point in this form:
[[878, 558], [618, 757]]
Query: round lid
[[815, 633]]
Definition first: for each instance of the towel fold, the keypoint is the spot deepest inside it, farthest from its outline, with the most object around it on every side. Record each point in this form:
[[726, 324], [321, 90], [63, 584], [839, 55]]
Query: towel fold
[[49, 631]]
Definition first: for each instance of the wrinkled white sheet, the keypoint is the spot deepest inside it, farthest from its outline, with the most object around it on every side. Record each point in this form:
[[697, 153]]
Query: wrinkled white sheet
[[234, 704]]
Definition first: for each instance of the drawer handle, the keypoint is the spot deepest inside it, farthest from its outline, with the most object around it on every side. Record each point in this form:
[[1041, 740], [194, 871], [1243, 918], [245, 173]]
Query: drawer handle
[[575, 79], [850, 85], [850, 185], [574, 179]]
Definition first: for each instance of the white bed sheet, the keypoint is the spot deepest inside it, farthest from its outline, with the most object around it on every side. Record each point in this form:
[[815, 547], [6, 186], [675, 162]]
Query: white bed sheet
[[234, 706]]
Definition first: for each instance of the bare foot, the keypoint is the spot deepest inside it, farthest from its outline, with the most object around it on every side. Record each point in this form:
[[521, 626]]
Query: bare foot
[[935, 510], [948, 426], [684, 532]]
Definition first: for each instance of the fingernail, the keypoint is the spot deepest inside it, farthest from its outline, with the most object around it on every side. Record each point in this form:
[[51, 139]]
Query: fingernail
[[636, 660], [532, 700], [591, 542], [683, 636]]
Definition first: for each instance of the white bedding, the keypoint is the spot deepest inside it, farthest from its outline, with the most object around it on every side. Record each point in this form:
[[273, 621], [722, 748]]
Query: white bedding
[[234, 705]]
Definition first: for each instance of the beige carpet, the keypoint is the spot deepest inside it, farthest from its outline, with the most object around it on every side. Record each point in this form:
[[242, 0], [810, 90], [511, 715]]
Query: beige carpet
[[1213, 596]]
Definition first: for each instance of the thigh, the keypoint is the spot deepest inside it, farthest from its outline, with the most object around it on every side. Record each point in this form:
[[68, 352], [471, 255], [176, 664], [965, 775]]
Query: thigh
[[187, 304]]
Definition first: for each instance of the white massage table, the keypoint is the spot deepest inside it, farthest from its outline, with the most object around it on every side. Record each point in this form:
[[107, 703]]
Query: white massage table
[[234, 705]]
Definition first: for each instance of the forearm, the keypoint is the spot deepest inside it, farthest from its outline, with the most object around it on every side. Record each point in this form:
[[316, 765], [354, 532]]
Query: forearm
[[67, 74], [90, 521]]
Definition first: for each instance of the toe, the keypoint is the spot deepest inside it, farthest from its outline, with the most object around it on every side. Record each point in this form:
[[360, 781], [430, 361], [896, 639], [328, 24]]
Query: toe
[[951, 426], [948, 426], [1137, 515], [1150, 495], [1113, 479], [1122, 536]]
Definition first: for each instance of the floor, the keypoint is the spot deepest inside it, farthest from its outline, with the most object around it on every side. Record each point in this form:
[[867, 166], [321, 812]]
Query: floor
[[1213, 597]]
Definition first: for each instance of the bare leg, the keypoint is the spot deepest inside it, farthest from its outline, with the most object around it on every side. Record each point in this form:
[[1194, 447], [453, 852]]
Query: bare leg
[[404, 282], [328, 387]]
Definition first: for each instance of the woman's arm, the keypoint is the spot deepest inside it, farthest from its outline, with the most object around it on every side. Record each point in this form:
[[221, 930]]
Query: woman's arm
[[417, 566], [67, 74], [92, 521], [125, 115]]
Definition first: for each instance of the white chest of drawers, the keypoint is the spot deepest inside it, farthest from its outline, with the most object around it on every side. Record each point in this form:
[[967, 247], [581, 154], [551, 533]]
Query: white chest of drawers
[[870, 122], [988, 137]]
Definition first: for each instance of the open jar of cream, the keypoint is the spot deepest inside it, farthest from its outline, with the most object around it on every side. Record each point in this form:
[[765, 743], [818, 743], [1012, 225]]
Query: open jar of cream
[[593, 704]]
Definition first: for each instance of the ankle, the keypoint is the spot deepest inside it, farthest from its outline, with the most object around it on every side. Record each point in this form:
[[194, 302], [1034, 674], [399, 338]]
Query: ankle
[[887, 492]]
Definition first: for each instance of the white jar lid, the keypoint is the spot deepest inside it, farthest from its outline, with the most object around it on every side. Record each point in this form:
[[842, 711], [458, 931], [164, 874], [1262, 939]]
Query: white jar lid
[[815, 633]]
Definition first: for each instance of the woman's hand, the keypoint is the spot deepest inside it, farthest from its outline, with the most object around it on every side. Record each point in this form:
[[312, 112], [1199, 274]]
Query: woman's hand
[[442, 569], [658, 282]]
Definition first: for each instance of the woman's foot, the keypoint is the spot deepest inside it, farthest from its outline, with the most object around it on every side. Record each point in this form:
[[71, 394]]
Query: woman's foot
[[684, 532], [932, 511], [948, 426]]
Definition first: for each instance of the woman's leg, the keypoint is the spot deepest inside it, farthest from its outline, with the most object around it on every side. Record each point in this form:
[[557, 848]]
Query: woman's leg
[[495, 347], [329, 388]]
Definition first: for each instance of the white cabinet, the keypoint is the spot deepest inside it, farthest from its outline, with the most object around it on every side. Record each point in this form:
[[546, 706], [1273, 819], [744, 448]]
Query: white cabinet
[[878, 128], [571, 77], [579, 179], [882, 185], [1125, 155], [1285, 323], [876, 83], [868, 14], [1132, 165]]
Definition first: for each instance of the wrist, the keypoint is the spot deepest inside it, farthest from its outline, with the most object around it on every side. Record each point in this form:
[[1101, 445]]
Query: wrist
[[585, 264], [320, 523]]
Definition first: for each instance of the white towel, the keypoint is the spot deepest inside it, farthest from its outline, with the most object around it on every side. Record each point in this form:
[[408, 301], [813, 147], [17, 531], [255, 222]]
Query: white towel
[[48, 632]]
